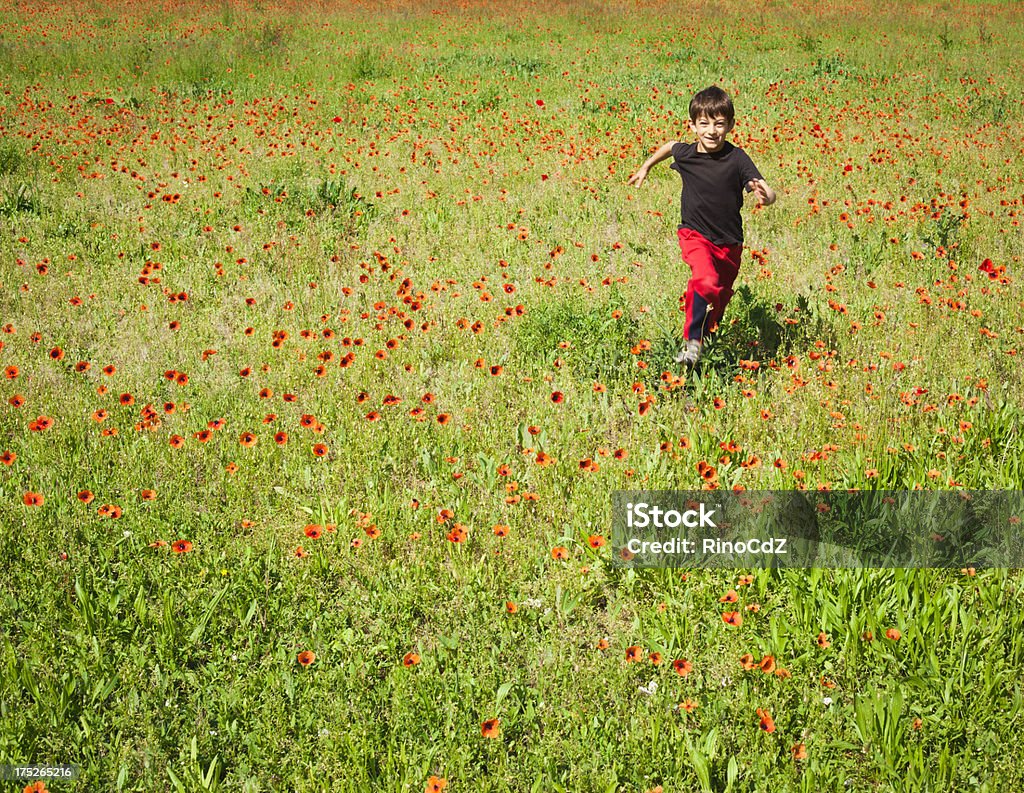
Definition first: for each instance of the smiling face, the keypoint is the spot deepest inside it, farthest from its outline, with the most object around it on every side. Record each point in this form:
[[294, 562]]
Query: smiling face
[[710, 132]]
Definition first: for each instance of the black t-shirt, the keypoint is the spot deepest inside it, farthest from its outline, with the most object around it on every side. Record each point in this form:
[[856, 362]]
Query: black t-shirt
[[713, 185]]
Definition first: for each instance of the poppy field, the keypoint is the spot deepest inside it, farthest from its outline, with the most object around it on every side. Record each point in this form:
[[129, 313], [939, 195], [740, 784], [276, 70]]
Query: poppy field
[[328, 330]]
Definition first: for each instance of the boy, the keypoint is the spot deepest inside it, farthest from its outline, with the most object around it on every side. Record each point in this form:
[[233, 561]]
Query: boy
[[714, 173]]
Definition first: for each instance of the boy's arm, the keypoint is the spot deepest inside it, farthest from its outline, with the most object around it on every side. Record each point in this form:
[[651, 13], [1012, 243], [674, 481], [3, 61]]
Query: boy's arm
[[764, 193], [661, 154]]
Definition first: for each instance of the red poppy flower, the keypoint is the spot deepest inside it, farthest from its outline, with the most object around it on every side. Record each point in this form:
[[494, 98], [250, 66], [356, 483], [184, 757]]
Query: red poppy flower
[[31, 499], [313, 531], [893, 634], [181, 546], [410, 659], [767, 723], [306, 657], [8, 458], [560, 553], [320, 449], [634, 654], [557, 397], [733, 618], [457, 534], [491, 728], [436, 784], [682, 667]]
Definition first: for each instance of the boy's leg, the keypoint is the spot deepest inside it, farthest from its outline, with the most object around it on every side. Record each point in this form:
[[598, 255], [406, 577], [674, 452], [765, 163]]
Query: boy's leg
[[714, 269], [727, 265]]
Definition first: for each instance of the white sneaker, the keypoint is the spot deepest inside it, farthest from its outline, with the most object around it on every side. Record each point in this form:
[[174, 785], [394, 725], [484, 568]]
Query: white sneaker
[[689, 353]]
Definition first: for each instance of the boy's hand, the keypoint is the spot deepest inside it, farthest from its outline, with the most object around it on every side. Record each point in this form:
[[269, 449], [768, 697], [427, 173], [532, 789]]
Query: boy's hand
[[764, 194], [638, 177]]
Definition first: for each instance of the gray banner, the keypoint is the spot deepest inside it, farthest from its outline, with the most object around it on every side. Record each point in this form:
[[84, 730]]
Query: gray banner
[[877, 528]]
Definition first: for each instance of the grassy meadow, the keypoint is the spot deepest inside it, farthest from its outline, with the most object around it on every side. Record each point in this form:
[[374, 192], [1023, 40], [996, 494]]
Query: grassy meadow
[[327, 331]]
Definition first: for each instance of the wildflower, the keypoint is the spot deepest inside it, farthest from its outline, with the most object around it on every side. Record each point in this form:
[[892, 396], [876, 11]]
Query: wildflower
[[799, 752], [306, 657], [733, 618], [181, 546], [823, 641], [893, 634], [31, 499], [682, 667], [511, 607], [457, 534], [410, 659], [436, 784], [650, 689], [767, 723], [634, 653], [491, 728], [559, 553]]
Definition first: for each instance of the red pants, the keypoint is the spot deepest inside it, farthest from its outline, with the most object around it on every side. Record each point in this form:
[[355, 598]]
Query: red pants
[[713, 271]]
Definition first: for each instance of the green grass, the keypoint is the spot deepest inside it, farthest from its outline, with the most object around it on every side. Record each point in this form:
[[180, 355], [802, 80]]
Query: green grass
[[243, 194]]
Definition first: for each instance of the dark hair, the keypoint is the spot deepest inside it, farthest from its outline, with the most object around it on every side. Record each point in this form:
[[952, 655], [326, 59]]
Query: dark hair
[[712, 102]]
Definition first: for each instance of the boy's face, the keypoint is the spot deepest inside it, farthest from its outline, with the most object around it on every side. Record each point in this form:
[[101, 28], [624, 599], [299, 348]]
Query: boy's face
[[710, 132]]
